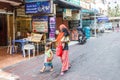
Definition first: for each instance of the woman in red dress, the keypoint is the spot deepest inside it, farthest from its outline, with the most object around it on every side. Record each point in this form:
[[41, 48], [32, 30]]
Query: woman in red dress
[[63, 38]]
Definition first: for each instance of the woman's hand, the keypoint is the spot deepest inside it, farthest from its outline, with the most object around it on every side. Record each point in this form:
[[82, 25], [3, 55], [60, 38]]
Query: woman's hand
[[54, 41]]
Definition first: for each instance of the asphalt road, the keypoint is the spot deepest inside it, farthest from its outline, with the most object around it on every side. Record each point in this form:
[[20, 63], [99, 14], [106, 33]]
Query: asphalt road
[[98, 59]]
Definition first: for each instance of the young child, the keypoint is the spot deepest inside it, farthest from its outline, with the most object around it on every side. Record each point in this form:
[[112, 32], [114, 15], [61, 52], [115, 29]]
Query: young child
[[48, 58]]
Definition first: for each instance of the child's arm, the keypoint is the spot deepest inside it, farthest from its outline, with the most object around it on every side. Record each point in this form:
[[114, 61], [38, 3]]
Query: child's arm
[[51, 54], [49, 59]]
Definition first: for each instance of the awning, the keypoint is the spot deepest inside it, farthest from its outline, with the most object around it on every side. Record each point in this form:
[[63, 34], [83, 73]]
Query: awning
[[87, 11], [65, 4], [9, 5], [102, 19]]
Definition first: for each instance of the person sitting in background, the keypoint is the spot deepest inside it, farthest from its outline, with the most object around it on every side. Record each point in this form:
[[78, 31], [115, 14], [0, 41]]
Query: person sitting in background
[[29, 35], [18, 36]]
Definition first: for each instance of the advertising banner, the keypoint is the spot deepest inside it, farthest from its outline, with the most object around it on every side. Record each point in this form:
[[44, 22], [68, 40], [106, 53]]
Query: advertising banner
[[38, 7], [52, 23]]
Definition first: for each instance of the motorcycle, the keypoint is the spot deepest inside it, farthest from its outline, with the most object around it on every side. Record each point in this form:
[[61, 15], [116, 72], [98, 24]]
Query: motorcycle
[[81, 37]]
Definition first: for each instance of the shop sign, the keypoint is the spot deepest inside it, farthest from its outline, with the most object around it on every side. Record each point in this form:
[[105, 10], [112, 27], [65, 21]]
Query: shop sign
[[102, 19], [40, 24], [38, 7], [68, 12], [29, 1], [75, 2], [20, 12]]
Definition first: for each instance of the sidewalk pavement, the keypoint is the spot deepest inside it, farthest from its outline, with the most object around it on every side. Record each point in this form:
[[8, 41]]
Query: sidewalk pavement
[[73, 43], [29, 69]]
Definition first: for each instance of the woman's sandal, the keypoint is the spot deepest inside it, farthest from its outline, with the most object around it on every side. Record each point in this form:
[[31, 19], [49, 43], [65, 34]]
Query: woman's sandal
[[62, 73], [69, 66]]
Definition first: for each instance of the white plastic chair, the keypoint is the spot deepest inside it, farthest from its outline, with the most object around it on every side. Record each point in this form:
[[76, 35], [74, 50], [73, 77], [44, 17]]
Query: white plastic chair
[[28, 47]]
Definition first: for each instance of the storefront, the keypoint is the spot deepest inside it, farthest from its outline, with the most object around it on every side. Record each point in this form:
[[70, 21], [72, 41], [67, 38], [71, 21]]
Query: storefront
[[6, 21], [89, 12], [67, 12], [114, 21], [48, 15], [42, 17]]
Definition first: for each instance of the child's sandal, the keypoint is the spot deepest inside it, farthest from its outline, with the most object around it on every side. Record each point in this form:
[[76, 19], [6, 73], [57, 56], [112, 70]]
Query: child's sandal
[[51, 70], [41, 71]]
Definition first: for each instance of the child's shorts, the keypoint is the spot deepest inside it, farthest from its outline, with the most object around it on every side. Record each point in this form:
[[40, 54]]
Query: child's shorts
[[48, 64]]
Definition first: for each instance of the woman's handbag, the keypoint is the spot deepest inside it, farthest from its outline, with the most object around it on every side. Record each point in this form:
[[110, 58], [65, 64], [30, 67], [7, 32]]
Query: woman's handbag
[[59, 50]]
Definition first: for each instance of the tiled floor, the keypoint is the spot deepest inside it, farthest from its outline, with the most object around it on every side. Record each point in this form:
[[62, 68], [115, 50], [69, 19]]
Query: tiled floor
[[6, 59]]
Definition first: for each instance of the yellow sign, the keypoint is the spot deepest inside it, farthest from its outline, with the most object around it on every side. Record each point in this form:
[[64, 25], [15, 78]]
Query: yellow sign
[[68, 12], [36, 37]]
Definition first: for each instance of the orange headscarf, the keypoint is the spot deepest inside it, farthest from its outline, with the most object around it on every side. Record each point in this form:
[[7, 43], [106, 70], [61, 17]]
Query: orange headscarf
[[61, 34], [59, 37]]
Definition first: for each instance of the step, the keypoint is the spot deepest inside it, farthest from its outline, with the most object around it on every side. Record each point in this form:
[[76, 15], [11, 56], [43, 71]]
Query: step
[[8, 76]]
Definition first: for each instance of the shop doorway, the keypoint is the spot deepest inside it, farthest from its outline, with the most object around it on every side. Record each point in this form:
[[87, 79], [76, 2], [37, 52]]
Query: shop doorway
[[3, 30]]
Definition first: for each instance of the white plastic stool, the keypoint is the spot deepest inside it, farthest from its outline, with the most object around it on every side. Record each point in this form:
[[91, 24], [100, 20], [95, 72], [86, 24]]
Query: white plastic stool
[[11, 49], [28, 47]]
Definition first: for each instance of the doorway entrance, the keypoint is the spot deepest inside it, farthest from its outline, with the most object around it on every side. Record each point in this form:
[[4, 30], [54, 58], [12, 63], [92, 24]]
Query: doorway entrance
[[3, 30]]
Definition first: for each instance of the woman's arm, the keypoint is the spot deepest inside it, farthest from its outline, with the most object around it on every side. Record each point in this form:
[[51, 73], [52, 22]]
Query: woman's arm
[[65, 39]]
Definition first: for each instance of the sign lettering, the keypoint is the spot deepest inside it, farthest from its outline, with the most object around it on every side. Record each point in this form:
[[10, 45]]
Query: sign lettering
[[38, 7]]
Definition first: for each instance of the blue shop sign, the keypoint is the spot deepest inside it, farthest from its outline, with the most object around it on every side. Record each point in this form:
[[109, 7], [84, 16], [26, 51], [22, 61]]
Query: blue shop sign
[[29, 1], [102, 19], [38, 7]]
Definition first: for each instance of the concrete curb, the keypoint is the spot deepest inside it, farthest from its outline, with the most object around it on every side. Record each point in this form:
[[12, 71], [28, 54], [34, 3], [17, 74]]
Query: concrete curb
[[7, 76]]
